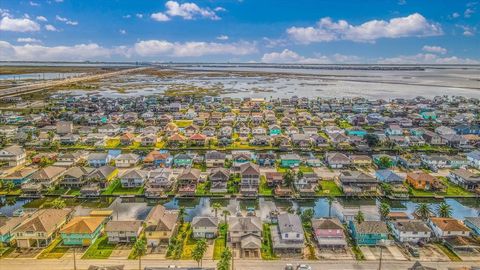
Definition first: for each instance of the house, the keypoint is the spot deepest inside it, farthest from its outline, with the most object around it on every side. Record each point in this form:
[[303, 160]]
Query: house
[[160, 226], [215, 159], [157, 159], [266, 159], [98, 159], [13, 155], [69, 159], [149, 140], [204, 227], [7, 225], [356, 131], [103, 176], [187, 181], [357, 182], [389, 177], [465, 178], [287, 235], [368, 233], [447, 227], [290, 160], [250, 179], [133, 178], [337, 160], [274, 130], [329, 233], [159, 181], [182, 160], [48, 176], [245, 234], [126, 160], [218, 178], [474, 158], [75, 177], [473, 223], [18, 177], [123, 231], [274, 179], [410, 231], [409, 161], [109, 129], [360, 160], [40, 228], [127, 138], [82, 230], [424, 181]]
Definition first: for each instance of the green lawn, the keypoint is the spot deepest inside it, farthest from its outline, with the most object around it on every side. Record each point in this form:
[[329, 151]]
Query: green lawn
[[57, 191], [305, 169], [263, 188], [115, 188], [183, 123], [175, 248], [54, 250], [452, 190], [100, 249], [203, 188], [267, 247], [112, 143], [450, 254], [343, 124], [329, 188], [37, 203], [220, 242], [188, 244], [12, 192]]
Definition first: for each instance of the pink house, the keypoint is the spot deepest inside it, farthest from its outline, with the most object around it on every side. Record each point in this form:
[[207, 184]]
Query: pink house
[[329, 233]]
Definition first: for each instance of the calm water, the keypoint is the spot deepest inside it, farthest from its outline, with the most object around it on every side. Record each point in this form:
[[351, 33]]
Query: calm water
[[39, 76], [138, 208]]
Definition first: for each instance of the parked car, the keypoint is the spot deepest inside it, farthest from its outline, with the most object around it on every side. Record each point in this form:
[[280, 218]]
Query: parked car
[[304, 267]]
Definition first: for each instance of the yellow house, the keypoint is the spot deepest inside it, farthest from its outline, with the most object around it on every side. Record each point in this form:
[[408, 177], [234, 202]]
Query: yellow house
[[160, 225]]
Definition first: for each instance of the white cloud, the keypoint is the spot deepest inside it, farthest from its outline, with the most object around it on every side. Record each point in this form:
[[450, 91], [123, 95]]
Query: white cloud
[[427, 58], [122, 31], [189, 11], [468, 12], [128, 16], [434, 49], [414, 25], [139, 15], [34, 4], [51, 28], [30, 52], [222, 37], [468, 31], [28, 40], [191, 48], [41, 18], [291, 57], [18, 25], [160, 17], [59, 1], [402, 2], [220, 9], [65, 20], [455, 15]]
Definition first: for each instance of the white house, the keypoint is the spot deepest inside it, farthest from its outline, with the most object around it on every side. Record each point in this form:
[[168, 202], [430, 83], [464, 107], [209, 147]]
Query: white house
[[15, 155], [474, 159], [133, 178], [412, 231], [205, 227], [447, 227], [126, 160]]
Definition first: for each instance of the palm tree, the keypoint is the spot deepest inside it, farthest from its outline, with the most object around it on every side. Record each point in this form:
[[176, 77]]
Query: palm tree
[[225, 214], [384, 210], [139, 250], [288, 178], [444, 210], [423, 211], [181, 215], [224, 263], [330, 200], [307, 215], [359, 217], [199, 250], [215, 207]]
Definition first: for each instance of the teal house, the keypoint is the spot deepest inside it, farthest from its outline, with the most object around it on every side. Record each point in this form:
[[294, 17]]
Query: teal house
[[473, 223], [427, 115], [368, 233], [182, 160], [7, 225], [82, 231], [290, 160], [356, 131], [275, 130]]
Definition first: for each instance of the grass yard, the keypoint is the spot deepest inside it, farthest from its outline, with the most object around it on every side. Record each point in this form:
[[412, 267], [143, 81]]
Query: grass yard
[[188, 244], [54, 250], [183, 123], [305, 169], [220, 242], [329, 188], [112, 143], [450, 254], [160, 144], [267, 246], [11, 192], [263, 188], [100, 249], [203, 188], [451, 191], [175, 247], [115, 188], [37, 203]]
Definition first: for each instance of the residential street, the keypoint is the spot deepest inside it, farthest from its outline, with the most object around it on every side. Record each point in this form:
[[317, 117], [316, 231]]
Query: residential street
[[13, 264]]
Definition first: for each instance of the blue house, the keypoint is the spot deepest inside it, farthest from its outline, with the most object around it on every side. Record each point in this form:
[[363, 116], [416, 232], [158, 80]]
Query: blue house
[[97, 160], [473, 223], [388, 176], [290, 160], [467, 129], [368, 233], [19, 177], [356, 131], [428, 115], [266, 159], [275, 130], [182, 160]]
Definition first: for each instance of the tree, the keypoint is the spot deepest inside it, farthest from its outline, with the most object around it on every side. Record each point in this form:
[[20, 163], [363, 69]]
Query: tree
[[58, 203], [181, 215], [139, 250], [423, 211], [225, 214], [384, 162], [199, 251], [299, 174], [372, 139], [330, 200], [215, 207], [359, 217], [288, 178], [444, 210], [384, 210], [307, 215], [224, 263], [10, 186]]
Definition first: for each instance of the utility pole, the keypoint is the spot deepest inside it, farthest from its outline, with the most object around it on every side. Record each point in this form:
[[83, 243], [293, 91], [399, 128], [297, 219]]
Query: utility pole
[[380, 262], [74, 258]]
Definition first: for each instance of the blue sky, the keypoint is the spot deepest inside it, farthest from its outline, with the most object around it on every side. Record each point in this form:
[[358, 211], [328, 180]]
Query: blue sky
[[301, 31]]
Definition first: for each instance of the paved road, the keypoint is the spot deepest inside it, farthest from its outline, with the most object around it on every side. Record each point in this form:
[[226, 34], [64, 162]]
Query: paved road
[[18, 90], [67, 264]]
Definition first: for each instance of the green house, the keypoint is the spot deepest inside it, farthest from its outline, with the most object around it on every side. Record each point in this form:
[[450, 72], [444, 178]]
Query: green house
[[82, 231], [182, 160], [290, 160], [427, 115], [275, 130], [368, 233]]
